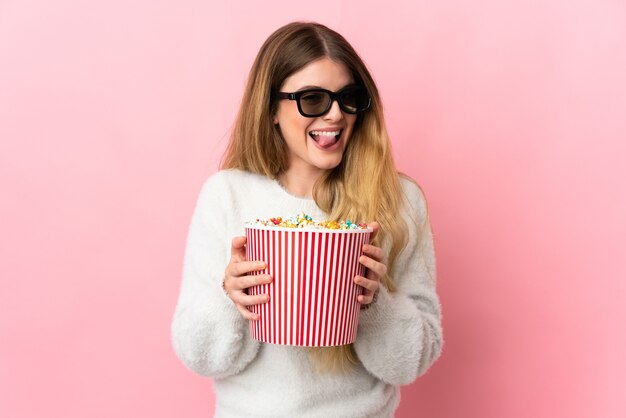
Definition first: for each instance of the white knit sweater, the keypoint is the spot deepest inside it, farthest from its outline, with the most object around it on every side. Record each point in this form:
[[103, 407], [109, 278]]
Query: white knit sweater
[[398, 337]]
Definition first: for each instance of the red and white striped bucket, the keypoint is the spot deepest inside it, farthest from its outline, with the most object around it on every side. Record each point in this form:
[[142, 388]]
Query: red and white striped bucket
[[313, 297]]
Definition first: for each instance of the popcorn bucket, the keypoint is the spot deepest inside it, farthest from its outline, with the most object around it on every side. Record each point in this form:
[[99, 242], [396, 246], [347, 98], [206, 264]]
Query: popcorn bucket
[[313, 297]]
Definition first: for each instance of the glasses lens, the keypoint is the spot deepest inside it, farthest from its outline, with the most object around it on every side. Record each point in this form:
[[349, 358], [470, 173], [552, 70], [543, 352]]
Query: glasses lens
[[314, 102], [354, 99]]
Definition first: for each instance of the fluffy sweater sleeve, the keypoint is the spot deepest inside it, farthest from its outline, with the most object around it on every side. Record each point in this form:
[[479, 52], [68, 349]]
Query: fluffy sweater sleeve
[[208, 333], [399, 336]]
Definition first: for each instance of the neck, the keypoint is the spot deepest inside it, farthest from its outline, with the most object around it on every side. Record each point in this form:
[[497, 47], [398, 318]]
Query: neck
[[300, 182]]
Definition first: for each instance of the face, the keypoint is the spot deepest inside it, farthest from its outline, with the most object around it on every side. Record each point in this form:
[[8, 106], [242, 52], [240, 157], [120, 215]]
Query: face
[[315, 144]]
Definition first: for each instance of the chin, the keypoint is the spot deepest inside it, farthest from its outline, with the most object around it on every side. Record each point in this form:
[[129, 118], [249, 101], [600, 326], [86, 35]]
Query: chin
[[328, 165]]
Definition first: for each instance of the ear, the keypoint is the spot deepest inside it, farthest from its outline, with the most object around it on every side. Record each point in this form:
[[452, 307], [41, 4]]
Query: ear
[[275, 119]]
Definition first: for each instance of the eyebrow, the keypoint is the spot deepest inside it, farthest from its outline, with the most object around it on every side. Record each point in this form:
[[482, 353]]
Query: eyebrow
[[318, 87], [309, 87]]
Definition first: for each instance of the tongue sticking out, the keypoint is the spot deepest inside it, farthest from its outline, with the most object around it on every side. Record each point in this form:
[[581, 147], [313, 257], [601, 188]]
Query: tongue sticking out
[[325, 141]]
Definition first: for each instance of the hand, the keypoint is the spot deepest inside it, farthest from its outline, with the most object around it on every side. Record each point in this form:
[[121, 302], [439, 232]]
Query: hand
[[236, 280], [375, 269]]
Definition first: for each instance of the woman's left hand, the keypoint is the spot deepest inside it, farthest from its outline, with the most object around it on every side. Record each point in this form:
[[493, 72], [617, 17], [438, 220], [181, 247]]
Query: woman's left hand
[[372, 259]]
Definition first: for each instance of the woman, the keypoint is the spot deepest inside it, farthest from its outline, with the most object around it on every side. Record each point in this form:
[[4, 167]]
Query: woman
[[309, 137]]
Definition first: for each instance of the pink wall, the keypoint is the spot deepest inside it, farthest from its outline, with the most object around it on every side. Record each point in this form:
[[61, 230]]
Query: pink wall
[[510, 114]]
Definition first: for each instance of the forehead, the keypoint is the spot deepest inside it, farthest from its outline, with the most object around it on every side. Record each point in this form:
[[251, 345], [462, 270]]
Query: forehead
[[323, 72]]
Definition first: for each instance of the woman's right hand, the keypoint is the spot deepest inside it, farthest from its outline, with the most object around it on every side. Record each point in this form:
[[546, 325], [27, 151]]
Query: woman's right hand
[[236, 280]]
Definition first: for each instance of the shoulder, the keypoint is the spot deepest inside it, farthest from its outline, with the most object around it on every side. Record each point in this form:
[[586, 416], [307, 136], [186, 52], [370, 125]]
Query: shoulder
[[414, 196], [225, 192], [231, 177], [232, 181]]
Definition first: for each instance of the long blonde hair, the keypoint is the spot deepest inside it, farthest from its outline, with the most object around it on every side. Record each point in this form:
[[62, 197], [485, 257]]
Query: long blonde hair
[[364, 186]]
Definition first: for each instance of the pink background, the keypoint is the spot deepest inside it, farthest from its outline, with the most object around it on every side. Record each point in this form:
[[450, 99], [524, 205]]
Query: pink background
[[509, 114]]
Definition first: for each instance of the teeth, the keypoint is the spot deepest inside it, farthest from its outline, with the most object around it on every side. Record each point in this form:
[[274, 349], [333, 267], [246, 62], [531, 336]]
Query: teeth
[[322, 133]]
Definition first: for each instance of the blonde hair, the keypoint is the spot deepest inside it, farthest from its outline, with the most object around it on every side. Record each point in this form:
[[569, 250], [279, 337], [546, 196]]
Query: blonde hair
[[364, 186]]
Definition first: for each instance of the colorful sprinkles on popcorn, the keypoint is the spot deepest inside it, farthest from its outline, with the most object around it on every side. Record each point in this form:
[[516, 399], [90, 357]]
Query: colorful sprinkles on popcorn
[[303, 220]]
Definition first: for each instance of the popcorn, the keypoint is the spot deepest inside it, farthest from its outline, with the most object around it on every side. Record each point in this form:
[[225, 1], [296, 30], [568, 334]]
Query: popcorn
[[302, 220]]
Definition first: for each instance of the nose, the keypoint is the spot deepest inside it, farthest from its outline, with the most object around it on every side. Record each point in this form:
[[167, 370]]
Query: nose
[[334, 113]]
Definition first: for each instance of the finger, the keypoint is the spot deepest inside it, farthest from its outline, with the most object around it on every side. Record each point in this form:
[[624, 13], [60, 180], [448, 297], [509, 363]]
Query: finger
[[368, 284], [374, 252], [241, 283], [238, 247], [244, 282], [244, 267], [365, 299], [249, 300], [375, 226], [246, 313], [376, 267]]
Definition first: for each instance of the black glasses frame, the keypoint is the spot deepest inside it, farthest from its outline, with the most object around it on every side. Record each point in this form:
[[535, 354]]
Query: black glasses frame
[[332, 95]]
